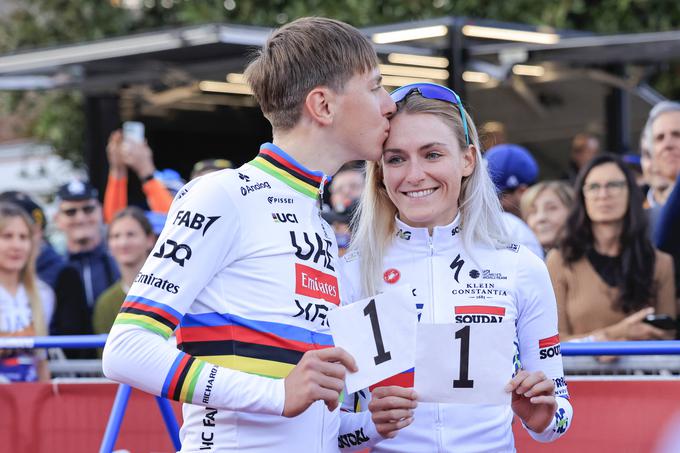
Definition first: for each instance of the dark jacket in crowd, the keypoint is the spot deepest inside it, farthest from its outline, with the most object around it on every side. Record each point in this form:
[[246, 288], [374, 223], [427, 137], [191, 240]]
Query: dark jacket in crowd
[[97, 269]]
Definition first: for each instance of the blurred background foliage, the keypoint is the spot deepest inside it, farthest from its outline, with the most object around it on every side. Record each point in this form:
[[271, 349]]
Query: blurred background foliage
[[57, 116]]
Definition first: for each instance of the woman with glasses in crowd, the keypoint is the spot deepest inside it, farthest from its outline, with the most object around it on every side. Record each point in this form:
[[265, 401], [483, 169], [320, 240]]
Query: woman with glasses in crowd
[[21, 312], [607, 275], [545, 207], [429, 217]]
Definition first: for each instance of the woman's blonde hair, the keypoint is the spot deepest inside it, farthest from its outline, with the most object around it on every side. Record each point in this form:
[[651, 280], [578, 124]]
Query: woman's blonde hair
[[560, 188], [27, 275], [479, 207]]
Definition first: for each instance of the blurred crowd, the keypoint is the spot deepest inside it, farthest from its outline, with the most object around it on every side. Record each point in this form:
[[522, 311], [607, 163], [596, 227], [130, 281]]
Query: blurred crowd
[[604, 229]]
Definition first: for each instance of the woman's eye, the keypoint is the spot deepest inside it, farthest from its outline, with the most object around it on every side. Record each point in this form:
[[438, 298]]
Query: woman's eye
[[433, 155], [394, 160]]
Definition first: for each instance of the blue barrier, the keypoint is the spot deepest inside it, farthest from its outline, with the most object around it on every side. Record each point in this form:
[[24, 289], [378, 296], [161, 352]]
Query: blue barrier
[[123, 394]]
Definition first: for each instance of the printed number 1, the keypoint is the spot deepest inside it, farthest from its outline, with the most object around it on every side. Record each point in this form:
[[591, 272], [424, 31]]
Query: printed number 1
[[465, 383], [383, 356]]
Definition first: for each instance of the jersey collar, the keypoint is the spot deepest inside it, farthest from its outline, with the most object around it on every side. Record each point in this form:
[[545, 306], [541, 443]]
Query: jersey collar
[[274, 161], [408, 235]]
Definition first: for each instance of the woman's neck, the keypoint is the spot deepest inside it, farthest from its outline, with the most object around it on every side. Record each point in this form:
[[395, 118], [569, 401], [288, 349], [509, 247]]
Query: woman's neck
[[10, 281], [607, 238]]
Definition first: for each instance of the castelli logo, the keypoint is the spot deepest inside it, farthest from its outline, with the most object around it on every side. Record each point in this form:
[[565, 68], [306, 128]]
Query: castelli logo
[[391, 276]]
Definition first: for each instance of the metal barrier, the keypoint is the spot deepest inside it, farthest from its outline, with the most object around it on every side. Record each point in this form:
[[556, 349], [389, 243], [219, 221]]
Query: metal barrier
[[122, 396]]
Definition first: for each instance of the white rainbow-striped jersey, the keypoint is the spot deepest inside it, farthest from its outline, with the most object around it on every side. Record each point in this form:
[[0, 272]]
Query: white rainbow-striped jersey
[[449, 284], [244, 274]]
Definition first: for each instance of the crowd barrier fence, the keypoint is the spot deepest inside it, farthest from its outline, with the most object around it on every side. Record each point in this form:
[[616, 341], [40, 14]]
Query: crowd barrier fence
[[122, 397]]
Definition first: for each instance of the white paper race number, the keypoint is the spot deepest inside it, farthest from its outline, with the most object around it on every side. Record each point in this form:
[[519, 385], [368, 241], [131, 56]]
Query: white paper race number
[[380, 333], [464, 363]]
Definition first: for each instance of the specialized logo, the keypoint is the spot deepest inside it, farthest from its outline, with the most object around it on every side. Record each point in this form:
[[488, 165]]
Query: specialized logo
[[391, 276], [279, 200], [157, 282], [457, 265], [179, 253], [312, 312], [549, 347], [479, 290], [487, 275], [243, 177], [283, 217], [455, 230], [404, 234], [479, 314], [195, 221], [313, 283], [351, 439], [245, 190], [313, 250]]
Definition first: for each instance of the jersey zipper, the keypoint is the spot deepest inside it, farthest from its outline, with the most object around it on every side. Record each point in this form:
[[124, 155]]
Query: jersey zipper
[[430, 243], [321, 187]]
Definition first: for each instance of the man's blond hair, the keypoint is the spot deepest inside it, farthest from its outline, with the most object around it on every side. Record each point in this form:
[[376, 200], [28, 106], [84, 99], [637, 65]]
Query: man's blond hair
[[304, 54]]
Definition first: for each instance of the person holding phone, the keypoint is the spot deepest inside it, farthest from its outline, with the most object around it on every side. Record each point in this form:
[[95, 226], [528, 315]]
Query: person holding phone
[[429, 217], [607, 275]]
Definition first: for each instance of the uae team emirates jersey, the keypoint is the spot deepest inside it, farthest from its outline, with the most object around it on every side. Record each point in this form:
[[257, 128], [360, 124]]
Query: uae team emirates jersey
[[483, 286], [244, 273]]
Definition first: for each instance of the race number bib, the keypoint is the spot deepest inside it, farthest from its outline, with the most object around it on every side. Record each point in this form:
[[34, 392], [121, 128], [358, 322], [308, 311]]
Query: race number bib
[[464, 363], [380, 333]]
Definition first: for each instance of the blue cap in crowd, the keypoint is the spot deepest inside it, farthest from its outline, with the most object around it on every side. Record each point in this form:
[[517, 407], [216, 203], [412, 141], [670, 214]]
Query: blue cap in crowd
[[157, 221], [511, 166], [77, 190]]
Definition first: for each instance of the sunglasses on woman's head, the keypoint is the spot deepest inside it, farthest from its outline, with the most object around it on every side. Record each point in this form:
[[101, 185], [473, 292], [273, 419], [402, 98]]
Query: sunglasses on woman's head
[[432, 91]]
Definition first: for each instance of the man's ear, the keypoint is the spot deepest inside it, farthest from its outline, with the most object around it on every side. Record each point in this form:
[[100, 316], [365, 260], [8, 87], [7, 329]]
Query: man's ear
[[319, 105]]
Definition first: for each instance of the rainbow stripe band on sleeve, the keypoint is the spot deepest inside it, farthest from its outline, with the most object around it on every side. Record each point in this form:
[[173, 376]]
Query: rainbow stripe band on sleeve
[[181, 380], [264, 348], [154, 316]]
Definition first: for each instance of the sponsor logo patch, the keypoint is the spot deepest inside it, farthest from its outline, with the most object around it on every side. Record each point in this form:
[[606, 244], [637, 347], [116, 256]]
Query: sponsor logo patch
[[479, 314], [391, 276], [313, 283], [179, 253], [549, 347], [195, 221]]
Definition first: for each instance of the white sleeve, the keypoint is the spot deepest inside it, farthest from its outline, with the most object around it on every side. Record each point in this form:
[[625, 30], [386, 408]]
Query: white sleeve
[[539, 342], [183, 261]]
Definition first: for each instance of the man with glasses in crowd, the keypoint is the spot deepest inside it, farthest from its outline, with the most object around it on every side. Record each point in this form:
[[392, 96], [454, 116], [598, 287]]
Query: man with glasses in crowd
[[80, 219]]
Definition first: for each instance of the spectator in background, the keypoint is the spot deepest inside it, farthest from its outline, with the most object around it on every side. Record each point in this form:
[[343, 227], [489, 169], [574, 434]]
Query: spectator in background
[[205, 166], [341, 223], [61, 289], [139, 158], [662, 132], [21, 311], [131, 239], [655, 184], [513, 169], [606, 274], [346, 186], [545, 207], [79, 217], [584, 146], [492, 133]]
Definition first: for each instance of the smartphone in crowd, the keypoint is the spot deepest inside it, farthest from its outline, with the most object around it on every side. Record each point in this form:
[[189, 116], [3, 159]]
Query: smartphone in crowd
[[661, 321], [133, 131]]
